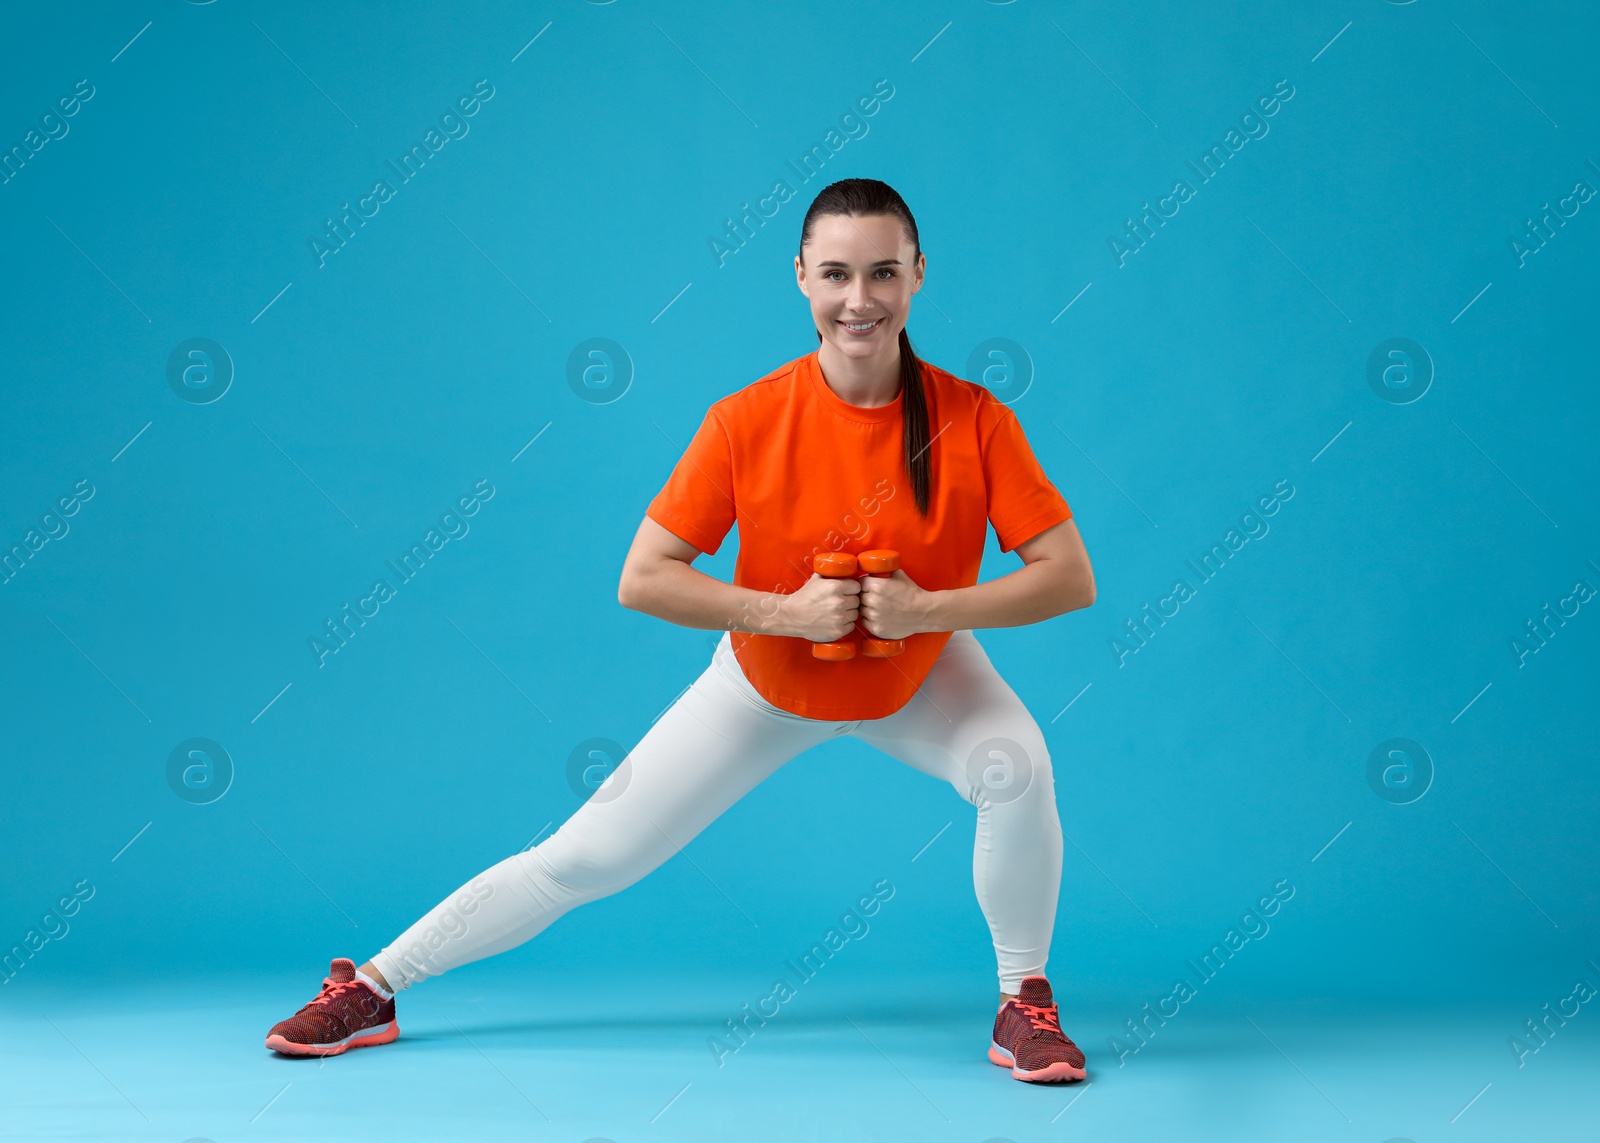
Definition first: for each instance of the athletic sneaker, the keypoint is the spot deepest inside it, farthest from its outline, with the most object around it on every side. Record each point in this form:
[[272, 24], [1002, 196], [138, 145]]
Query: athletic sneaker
[[1028, 1037], [345, 1014]]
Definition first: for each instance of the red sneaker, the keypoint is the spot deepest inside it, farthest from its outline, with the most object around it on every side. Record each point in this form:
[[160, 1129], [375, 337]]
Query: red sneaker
[[1028, 1037], [345, 1014]]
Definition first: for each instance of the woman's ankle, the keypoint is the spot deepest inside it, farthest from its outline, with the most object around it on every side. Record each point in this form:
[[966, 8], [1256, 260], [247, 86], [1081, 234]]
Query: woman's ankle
[[370, 969]]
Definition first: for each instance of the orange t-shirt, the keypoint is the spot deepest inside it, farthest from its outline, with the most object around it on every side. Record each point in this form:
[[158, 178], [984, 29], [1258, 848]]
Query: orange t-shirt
[[801, 472]]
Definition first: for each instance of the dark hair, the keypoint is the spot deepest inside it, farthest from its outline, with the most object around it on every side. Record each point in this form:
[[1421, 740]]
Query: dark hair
[[857, 197]]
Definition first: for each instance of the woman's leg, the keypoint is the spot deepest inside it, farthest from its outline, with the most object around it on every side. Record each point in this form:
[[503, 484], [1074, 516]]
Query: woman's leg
[[966, 726], [706, 752]]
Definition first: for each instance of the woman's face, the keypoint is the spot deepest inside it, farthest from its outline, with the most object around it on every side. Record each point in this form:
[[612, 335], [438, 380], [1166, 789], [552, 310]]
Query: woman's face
[[860, 270]]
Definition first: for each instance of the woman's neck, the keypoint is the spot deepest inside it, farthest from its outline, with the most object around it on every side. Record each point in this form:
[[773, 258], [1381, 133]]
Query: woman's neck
[[867, 383]]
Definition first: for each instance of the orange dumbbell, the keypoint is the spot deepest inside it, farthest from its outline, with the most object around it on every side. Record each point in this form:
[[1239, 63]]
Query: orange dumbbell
[[882, 563], [836, 565]]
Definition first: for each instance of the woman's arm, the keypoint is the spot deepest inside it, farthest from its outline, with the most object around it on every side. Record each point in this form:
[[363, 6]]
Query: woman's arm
[[1057, 578], [657, 580]]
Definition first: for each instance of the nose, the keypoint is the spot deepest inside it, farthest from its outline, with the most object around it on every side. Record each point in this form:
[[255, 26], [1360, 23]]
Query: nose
[[860, 299]]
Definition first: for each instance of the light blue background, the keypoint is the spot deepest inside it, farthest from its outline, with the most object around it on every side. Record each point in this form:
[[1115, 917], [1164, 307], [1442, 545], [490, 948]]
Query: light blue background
[[1222, 357]]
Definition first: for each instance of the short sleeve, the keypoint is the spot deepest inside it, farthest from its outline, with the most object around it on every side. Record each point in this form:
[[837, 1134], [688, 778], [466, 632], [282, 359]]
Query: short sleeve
[[1021, 500], [696, 504]]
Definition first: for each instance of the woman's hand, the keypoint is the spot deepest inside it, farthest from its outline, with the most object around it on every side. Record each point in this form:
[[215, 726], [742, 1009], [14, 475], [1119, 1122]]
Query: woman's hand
[[823, 610], [893, 607]]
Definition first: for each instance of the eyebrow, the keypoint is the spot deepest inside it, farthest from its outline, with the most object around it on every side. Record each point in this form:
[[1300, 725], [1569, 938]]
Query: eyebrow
[[874, 266]]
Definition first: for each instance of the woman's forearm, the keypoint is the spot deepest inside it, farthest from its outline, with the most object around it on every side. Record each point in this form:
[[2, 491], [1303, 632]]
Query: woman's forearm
[[674, 591], [1031, 594]]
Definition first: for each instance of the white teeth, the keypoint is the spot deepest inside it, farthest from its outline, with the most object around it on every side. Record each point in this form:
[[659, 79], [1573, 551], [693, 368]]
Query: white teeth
[[862, 326]]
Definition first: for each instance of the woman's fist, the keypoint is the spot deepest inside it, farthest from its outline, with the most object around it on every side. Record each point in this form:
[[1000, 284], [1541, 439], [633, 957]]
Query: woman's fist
[[823, 610], [893, 606]]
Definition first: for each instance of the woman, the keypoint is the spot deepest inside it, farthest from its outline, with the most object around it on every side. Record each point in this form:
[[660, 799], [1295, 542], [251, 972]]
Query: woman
[[856, 446]]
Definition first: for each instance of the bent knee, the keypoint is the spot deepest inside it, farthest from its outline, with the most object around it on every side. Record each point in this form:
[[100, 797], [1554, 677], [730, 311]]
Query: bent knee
[[1007, 768]]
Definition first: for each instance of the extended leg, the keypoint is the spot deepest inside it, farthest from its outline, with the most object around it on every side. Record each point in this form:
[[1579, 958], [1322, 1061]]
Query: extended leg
[[711, 748]]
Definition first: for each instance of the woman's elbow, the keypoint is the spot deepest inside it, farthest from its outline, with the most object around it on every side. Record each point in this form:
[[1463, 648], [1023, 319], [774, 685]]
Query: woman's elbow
[[628, 590], [1084, 596]]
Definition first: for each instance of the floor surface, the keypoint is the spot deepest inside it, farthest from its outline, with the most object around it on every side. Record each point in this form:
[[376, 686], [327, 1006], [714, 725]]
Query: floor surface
[[492, 1055]]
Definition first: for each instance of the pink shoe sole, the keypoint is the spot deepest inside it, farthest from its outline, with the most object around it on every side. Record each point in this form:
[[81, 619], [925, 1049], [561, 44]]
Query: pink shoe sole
[[1055, 1073], [367, 1037]]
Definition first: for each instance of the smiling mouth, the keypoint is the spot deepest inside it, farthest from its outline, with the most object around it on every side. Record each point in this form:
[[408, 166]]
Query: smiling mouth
[[862, 327]]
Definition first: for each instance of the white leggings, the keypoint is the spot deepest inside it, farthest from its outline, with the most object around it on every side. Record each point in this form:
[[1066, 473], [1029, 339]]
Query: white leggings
[[720, 738]]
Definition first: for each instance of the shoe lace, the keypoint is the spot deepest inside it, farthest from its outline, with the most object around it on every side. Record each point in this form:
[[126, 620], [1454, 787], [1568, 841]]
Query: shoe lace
[[331, 990], [1044, 1017]]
